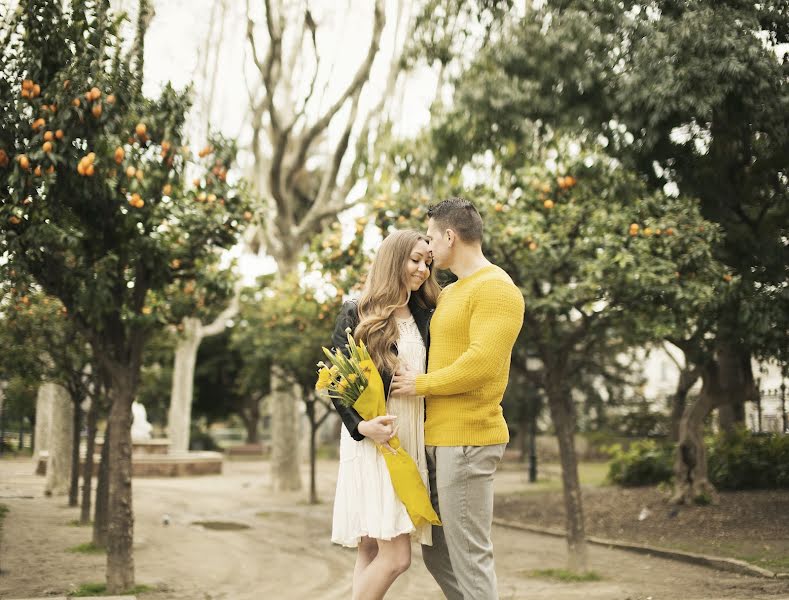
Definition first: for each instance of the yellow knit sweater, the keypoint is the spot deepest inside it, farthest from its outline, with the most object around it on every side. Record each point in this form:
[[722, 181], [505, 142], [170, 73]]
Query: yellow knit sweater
[[472, 333]]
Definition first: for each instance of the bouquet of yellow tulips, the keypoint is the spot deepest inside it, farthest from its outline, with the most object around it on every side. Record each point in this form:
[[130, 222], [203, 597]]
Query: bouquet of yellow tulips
[[355, 381], [347, 376]]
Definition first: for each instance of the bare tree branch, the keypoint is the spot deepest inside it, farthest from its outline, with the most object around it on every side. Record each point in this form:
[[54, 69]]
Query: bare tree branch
[[362, 75], [219, 324]]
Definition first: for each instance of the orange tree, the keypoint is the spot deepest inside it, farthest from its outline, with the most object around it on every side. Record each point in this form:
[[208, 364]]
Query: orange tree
[[95, 204], [603, 264]]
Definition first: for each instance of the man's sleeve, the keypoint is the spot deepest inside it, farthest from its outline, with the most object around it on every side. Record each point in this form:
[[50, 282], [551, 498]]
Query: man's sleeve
[[496, 320]]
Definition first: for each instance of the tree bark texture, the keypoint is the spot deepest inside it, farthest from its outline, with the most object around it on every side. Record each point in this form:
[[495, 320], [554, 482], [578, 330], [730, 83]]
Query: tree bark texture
[[58, 478], [563, 417]]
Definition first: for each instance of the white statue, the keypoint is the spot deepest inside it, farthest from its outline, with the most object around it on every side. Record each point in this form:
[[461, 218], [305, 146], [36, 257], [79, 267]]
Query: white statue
[[141, 428]]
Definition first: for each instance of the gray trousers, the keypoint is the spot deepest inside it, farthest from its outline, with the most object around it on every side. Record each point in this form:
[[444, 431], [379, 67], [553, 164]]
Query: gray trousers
[[461, 490]]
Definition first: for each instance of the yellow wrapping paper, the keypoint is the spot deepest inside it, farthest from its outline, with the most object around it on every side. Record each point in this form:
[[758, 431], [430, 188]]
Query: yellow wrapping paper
[[407, 482]]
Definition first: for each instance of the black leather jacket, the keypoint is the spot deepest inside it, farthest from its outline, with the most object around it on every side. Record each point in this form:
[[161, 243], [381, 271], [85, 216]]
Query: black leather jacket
[[349, 317]]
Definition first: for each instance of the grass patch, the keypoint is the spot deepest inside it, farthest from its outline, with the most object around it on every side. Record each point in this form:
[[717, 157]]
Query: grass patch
[[565, 575], [87, 548], [100, 589], [549, 477], [3, 512]]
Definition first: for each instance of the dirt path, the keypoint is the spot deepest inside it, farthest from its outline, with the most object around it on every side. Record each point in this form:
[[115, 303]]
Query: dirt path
[[285, 552]]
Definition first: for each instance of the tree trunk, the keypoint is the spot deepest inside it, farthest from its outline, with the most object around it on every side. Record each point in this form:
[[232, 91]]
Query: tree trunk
[[250, 415], [87, 474], [285, 474], [563, 418], [690, 465], [313, 432], [688, 376], [60, 440], [180, 415], [43, 418], [73, 494], [736, 383], [120, 530], [101, 515]]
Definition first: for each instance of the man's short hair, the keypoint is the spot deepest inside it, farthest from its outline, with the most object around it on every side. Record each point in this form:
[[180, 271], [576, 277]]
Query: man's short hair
[[459, 215]]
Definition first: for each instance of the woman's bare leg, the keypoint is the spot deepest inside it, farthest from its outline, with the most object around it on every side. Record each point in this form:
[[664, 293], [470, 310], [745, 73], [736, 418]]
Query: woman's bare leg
[[367, 551], [393, 559]]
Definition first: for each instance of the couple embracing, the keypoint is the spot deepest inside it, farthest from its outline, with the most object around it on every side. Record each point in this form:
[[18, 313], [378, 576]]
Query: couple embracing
[[444, 357]]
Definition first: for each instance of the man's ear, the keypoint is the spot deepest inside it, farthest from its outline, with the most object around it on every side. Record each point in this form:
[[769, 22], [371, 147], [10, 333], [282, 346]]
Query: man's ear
[[451, 236]]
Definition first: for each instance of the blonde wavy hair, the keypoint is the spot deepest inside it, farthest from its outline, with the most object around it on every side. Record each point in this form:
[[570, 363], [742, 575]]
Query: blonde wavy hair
[[387, 289]]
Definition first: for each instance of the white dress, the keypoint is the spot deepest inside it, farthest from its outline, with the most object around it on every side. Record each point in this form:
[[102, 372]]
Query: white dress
[[365, 503]]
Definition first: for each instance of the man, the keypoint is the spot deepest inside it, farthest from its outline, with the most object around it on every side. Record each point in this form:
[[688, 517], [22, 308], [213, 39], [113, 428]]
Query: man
[[472, 333]]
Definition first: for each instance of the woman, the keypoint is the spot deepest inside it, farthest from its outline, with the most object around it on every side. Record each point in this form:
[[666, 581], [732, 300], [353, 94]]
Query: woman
[[392, 318]]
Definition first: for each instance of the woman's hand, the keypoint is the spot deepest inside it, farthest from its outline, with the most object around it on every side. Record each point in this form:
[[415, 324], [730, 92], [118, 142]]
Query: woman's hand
[[380, 430], [403, 383]]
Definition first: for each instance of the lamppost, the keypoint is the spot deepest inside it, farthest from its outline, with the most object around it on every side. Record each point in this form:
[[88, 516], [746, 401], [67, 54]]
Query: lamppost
[[783, 398]]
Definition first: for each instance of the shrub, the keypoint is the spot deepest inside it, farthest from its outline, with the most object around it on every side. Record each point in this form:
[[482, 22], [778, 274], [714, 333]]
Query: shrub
[[644, 462], [742, 460], [739, 460]]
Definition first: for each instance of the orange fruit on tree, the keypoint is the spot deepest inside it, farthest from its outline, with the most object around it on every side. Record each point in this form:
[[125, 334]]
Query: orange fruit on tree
[[48, 136], [669, 231], [37, 171], [95, 93], [91, 156], [47, 147], [81, 167], [548, 204], [130, 171], [3, 158], [90, 170], [119, 155], [24, 161], [51, 169], [139, 174], [25, 93], [96, 110], [175, 263], [167, 189], [727, 278], [111, 99], [498, 207], [36, 91], [205, 151], [166, 146], [75, 102], [27, 84], [647, 231], [532, 246], [14, 220], [38, 124], [140, 129]]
